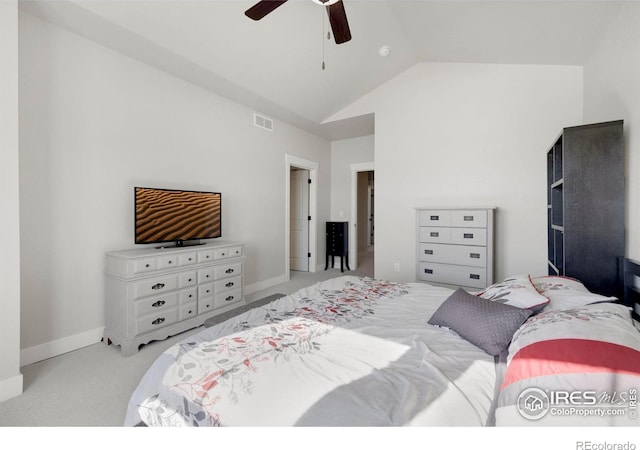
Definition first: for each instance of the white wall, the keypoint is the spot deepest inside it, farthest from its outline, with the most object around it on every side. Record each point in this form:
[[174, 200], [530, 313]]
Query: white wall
[[344, 153], [95, 123], [468, 135], [612, 92], [10, 376]]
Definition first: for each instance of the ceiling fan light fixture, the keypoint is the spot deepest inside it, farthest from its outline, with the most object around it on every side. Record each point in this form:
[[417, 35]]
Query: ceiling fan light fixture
[[325, 2]]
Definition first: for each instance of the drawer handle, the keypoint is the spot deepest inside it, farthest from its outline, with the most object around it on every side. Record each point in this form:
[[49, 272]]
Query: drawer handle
[[169, 262], [157, 286], [229, 271], [434, 218], [434, 234], [229, 284], [474, 255], [468, 218], [190, 279], [229, 298], [206, 276], [190, 295], [158, 321], [428, 252], [429, 271], [208, 256], [147, 265], [158, 304], [207, 291], [468, 235], [474, 276], [190, 311]]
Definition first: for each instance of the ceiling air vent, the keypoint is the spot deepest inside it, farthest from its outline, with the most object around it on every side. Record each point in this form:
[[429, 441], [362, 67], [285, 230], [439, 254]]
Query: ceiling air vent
[[262, 122]]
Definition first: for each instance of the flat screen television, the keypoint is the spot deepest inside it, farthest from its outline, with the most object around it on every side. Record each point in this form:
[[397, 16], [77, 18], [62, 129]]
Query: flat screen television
[[177, 216]]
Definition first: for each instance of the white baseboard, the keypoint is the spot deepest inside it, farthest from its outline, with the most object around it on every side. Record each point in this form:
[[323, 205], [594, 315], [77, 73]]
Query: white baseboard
[[266, 284], [55, 348], [11, 387]]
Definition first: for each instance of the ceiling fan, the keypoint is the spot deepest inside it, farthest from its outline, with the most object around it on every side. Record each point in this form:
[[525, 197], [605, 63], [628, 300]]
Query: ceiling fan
[[335, 10]]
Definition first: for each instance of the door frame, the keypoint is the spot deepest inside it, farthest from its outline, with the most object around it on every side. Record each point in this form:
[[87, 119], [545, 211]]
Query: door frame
[[312, 167], [353, 235], [299, 189]]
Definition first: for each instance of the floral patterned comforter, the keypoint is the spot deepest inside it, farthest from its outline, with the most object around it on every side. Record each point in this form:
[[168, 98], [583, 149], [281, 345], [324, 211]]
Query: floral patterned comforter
[[348, 351]]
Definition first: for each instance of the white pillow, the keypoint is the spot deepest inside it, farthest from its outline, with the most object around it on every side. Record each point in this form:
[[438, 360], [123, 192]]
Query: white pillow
[[567, 293], [556, 282], [517, 291]]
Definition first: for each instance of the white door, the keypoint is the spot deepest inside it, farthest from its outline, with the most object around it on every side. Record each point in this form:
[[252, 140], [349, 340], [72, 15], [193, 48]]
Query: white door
[[299, 226]]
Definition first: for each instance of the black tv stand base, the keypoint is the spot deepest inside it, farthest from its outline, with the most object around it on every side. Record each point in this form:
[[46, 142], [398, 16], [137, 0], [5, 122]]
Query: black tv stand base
[[182, 244]]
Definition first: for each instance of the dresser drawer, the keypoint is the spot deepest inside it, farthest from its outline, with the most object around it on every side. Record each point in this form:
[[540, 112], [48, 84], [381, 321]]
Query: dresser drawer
[[469, 236], [159, 303], [161, 319], [205, 290], [469, 218], [227, 284], [227, 298], [205, 304], [167, 262], [205, 275], [435, 234], [144, 265], [155, 286], [187, 259], [455, 275], [189, 310], [434, 218], [222, 253], [235, 252], [205, 256], [453, 254], [227, 270], [188, 295], [188, 279]]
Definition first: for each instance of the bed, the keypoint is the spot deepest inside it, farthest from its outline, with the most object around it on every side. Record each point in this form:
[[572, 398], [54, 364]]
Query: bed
[[357, 351]]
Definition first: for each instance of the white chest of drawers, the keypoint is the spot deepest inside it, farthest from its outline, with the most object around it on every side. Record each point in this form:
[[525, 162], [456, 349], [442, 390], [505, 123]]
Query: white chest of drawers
[[455, 246], [154, 293]]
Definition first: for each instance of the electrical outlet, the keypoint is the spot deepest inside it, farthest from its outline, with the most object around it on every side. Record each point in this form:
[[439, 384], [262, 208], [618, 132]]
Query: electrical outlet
[[396, 267]]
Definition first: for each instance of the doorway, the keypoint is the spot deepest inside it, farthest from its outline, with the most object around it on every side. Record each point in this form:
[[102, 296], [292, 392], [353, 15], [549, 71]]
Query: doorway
[[362, 233], [299, 220], [307, 195]]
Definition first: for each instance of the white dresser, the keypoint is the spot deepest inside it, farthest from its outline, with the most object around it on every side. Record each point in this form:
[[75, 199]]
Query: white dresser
[[153, 293], [455, 246]]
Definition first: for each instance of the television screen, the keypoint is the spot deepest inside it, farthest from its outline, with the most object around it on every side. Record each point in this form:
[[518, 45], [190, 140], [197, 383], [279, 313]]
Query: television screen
[[169, 215]]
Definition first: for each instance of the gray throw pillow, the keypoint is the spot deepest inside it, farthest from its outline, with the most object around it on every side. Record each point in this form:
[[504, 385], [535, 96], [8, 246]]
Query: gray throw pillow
[[486, 324]]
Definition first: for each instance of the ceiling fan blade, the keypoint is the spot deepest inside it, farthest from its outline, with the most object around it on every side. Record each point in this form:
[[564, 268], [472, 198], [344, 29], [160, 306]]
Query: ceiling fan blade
[[261, 9], [339, 23]]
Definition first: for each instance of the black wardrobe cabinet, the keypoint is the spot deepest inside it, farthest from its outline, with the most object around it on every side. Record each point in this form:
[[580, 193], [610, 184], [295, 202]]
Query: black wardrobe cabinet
[[337, 239], [585, 205]]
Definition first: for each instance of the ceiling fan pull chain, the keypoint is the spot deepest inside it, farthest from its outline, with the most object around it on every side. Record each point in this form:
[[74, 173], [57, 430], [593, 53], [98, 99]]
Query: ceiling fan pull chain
[[323, 28]]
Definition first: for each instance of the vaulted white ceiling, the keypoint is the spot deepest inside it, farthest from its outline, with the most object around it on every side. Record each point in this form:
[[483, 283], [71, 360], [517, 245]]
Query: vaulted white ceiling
[[275, 65]]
